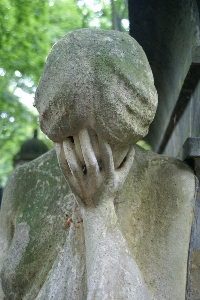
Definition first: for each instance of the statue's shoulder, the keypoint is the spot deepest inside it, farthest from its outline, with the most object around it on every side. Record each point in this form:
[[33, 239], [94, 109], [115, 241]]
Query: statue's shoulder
[[38, 176], [46, 164], [156, 166], [164, 176], [35, 193]]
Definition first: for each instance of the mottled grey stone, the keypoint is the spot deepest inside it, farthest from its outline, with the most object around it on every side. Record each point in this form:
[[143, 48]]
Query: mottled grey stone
[[155, 213], [96, 78]]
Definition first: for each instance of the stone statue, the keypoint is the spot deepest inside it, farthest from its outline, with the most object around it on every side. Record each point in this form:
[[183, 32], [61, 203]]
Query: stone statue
[[121, 229]]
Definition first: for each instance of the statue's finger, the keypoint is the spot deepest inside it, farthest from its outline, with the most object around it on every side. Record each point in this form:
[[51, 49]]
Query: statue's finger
[[107, 158], [126, 165], [78, 149], [62, 159], [92, 167], [65, 168], [72, 160]]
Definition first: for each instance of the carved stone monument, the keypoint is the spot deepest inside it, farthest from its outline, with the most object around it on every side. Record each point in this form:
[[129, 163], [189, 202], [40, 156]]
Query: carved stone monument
[[117, 225]]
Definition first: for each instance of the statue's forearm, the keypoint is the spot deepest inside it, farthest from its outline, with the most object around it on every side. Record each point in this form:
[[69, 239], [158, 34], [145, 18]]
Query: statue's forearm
[[98, 221], [110, 264]]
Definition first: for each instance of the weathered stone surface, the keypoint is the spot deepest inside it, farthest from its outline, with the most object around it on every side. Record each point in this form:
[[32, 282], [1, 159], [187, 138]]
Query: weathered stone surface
[[33, 225], [131, 221], [97, 78], [190, 152], [154, 210]]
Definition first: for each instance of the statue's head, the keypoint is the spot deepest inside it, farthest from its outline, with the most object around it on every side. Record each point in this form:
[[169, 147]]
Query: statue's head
[[98, 79]]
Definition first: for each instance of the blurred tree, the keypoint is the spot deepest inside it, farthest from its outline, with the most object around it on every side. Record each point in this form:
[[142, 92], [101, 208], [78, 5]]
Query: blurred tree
[[144, 145], [12, 113], [24, 39], [22, 52], [105, 14], [119, 13], [28, 29]]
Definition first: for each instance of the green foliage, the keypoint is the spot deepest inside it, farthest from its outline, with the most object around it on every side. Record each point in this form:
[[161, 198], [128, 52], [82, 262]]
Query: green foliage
[[12, 113], [144, 145], [24, 24], [119, 13], [64, 16], [17, 123], [104, 14]]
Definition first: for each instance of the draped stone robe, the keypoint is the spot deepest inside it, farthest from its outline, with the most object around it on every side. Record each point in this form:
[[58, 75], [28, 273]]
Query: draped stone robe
[[42, 245]]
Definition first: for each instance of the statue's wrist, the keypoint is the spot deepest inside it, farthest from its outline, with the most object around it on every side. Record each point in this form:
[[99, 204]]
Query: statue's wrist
[[101, 210], [99, 219]]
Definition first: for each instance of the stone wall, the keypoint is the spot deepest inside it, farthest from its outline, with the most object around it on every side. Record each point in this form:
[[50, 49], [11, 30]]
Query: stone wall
[[188, 125], [167, 30]]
